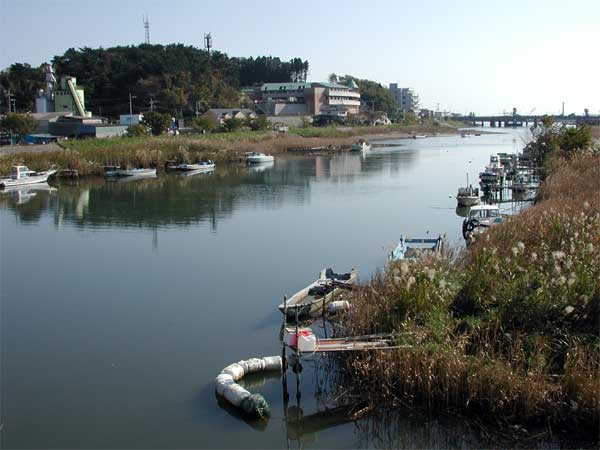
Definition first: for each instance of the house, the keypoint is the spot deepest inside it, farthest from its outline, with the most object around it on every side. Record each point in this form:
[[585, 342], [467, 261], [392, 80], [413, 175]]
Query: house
[[219, 115]]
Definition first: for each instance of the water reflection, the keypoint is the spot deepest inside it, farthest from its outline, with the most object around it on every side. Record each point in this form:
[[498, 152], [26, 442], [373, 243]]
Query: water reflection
[[191, 198]]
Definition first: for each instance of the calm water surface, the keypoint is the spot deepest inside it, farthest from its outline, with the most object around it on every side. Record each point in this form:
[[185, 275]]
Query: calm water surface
[[122, 301]]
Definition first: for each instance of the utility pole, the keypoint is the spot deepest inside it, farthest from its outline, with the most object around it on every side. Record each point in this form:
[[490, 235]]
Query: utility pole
[[9, 98], [130, 108], [151, 104]]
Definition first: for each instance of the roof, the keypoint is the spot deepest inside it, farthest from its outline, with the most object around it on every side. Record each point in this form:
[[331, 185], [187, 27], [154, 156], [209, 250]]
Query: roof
[[352, 84], [50, 115], [222, 111], [42, 136], [333, 85], [284, 86]]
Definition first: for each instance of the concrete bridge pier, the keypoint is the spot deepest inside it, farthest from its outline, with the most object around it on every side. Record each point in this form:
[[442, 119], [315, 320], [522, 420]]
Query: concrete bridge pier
[[492, 124]]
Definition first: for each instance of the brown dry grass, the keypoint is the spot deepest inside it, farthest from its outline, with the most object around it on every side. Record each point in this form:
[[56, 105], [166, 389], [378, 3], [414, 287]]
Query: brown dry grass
[[509, 329], [89, 156]]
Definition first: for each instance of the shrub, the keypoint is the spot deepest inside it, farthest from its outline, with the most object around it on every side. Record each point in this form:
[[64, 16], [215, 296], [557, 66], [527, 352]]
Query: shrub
[[137, 130], [157, 122], [203, 124]]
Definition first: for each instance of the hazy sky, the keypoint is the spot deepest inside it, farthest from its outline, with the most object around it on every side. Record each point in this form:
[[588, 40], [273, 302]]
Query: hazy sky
[[485, 56]]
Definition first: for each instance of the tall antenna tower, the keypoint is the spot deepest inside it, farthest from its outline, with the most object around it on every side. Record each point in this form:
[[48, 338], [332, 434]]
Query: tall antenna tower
[[147, 28], [208, 42]]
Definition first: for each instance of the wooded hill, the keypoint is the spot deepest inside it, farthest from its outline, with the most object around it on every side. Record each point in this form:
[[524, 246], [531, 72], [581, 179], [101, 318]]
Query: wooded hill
[[176, 78]]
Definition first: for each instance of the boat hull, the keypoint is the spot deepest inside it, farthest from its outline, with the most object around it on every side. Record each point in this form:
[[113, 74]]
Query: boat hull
[[193, 167], [259, 159], [308, 305], [36, 179], [467, 201]]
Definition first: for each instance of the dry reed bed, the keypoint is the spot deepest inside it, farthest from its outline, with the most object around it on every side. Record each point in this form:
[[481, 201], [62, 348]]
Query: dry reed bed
[[89, 156], [508, 329]]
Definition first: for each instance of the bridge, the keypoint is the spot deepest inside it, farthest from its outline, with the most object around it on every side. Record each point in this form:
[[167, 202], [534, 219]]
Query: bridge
[[518, 120]]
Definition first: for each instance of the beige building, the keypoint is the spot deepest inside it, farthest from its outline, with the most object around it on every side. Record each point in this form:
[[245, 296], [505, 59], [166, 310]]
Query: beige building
[[314, 98]]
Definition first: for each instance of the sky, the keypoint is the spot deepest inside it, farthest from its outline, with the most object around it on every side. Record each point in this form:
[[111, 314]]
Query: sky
[[482, 56]]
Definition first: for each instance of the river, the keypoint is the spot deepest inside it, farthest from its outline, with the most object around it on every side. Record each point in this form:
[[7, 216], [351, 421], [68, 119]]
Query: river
[[121, 301]]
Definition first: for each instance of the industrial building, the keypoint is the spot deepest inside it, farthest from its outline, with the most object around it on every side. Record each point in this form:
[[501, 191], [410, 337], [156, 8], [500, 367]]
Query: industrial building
[[60, 111], [64, 98]]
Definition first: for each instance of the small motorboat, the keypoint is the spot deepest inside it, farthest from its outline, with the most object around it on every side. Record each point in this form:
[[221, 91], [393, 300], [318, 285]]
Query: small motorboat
[[314, 297], [413, 248], [360, 146], [116, 171], [257, 158], [467, 196], [21, 176], [203, 166], [479, 219], [419, 136]]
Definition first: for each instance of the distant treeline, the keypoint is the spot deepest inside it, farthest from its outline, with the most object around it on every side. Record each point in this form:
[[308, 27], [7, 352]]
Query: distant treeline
[[173, 78]]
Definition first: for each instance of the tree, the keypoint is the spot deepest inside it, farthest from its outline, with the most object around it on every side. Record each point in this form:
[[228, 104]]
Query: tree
[[158, 122], [260, 123], [232, 124], [203, 123], [20, 124]]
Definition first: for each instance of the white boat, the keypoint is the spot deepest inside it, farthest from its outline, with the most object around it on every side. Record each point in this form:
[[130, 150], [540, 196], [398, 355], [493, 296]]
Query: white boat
[[204, 166], [314, 297], [257, 158], [467, 196], [21, 176], [413, 248], [419, 136], [480, 218], [115, 171], [360, 146]]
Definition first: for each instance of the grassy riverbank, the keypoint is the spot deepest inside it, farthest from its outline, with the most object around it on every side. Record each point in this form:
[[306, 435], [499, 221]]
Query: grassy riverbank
[[88, 156], [507, 330]]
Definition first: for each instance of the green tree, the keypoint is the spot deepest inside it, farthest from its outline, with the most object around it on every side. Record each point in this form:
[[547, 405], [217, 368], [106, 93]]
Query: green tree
[[203, 124], [157, 122], [20, 124], [232, 124], [259, 123]]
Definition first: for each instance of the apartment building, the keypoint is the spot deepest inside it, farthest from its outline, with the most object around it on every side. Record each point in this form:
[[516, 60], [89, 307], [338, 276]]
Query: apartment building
[[406, 98]]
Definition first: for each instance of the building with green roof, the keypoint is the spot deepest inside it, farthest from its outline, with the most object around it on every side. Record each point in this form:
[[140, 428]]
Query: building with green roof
[[308, 98]]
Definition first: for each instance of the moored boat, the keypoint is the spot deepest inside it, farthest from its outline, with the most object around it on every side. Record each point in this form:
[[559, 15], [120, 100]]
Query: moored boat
[[419, 136], [313, 298], [115, 171], [467, 196], [203, 166], [21, 176], [360, 146], [412, 248], [257, 158], [480, 218]]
